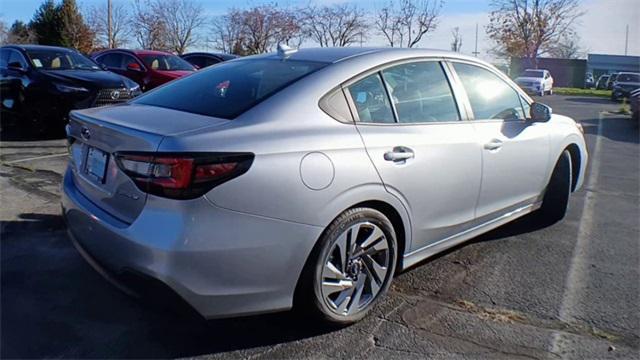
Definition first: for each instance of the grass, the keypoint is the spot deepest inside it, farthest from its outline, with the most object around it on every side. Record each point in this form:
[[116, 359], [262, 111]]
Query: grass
[[582, 92]]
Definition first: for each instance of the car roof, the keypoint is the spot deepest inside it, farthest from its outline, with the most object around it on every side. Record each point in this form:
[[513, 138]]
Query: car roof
[[37, 47], [136, 52], [338, 54], [217, 55]]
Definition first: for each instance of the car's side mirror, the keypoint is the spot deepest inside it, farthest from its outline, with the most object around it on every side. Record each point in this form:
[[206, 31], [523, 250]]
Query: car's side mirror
[[540, 112], [134, 66], [16, 65]]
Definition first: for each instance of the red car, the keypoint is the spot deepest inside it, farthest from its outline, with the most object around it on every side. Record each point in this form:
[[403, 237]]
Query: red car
[[148, 68]]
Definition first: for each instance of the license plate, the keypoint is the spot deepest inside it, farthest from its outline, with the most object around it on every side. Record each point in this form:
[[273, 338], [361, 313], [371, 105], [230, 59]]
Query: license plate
[[97, 163]]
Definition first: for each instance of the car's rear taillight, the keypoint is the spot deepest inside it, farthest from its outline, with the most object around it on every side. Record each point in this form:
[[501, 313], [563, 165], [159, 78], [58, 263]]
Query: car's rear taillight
[[182, 176]]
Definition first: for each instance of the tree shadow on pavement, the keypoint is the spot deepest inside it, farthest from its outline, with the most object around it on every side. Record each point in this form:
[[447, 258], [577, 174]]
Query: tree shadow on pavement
[[55, 305], [617, 128], [591, 100]]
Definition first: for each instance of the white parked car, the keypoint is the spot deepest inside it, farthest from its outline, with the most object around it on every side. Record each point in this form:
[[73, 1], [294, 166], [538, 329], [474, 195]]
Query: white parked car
[[536, 81]]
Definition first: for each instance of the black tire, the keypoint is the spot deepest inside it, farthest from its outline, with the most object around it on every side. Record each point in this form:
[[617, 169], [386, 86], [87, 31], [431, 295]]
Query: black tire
[[324, 251], [556, 197]]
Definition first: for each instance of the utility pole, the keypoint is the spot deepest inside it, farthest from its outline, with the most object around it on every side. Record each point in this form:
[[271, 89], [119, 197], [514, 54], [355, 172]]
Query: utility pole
[[109, 42], [476, 51], [626, 42]]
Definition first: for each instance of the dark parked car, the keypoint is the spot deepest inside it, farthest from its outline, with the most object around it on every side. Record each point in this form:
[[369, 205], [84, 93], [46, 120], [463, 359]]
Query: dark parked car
[[625, 83], [146, 67], [41, 84], [602, 82], [634, 101], [203, 59], [612, 79]]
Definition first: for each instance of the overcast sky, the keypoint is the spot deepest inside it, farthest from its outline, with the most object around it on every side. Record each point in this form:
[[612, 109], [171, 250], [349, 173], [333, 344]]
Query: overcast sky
[[601, 29]]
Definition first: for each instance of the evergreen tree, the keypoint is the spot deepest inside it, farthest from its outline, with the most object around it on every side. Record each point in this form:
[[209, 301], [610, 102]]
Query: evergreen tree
[[74, 31], [47, 24]]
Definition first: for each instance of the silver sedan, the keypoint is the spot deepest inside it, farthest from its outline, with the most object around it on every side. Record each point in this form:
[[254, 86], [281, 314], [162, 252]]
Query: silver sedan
[[310, 176]]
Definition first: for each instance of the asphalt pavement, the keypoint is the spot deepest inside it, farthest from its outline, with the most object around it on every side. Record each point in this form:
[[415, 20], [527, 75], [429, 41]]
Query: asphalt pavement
[[570, 290]]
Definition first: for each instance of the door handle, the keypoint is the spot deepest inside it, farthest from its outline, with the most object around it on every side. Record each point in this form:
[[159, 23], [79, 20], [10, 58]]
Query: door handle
[[399, 154], [494, 144]]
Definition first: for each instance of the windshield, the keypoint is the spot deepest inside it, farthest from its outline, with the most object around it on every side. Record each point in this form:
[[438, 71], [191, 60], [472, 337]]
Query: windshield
[[46, 59], [229, 89], [166, 62], [628, 78], [533, 74]]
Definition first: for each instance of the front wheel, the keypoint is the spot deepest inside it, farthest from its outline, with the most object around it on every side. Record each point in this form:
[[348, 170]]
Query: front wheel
[[354, 265], [556, 197]]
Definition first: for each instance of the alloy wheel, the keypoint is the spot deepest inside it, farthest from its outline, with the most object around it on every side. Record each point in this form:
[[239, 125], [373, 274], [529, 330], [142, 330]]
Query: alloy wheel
[[355, 269]]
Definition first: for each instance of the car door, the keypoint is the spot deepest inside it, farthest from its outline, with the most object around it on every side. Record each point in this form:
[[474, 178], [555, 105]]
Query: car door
[[423, 150], [134, 73], [515, 151], [548, 81], [15, 83]]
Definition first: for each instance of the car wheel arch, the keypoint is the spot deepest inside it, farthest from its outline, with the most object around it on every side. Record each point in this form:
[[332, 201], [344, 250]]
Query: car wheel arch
[[402, 232], [576, 162]]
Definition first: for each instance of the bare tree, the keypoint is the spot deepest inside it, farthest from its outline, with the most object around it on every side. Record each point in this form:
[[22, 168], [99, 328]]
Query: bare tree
[[567, 47], [527, 28], [182, 19], [334, 25], [148, 27], [456, 43], [256, 30], [4, 32], [97, 19], [404, 23]]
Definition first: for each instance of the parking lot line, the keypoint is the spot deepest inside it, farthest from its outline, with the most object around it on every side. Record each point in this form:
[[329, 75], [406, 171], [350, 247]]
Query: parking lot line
[[577, 270], [34, 158]]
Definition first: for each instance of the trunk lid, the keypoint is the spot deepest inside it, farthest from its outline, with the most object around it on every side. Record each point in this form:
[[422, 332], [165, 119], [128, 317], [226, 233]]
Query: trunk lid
[[96, 135]]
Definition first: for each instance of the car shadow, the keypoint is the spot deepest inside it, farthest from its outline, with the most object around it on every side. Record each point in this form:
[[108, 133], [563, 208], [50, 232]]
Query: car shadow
[[15, 133], [55, 305]]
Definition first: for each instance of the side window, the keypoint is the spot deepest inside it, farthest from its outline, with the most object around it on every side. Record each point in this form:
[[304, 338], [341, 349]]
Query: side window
[[113, 60], [371, 100], [421, 93], [210, 61], [490, 96], [126, 60], [194, 60], [4, 58], [15, 56]]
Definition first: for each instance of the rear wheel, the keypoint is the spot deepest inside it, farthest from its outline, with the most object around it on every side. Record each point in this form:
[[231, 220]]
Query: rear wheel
[[354, 265], [556, 197]]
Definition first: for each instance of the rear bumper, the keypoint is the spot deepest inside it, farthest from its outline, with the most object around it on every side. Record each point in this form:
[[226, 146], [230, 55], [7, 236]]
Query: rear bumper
[[532, 89], [221, 262]]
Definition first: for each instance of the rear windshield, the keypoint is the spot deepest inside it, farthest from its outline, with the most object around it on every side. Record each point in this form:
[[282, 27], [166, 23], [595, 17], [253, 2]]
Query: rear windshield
[[229, 89], [533, 73], [628, 78]]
